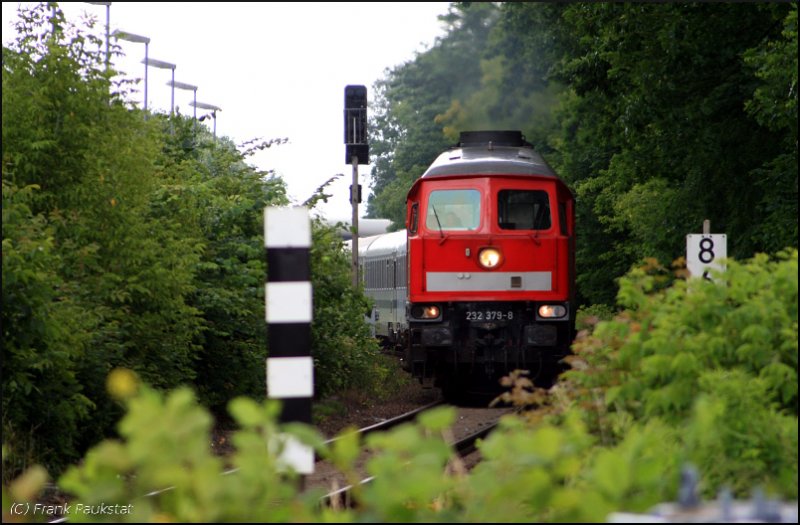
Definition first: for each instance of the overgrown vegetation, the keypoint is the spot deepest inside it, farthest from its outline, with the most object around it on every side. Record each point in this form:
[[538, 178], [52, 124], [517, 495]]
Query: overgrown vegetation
[[658, 116], [690, 372], [132, 253], [717, 362], [136, 243]]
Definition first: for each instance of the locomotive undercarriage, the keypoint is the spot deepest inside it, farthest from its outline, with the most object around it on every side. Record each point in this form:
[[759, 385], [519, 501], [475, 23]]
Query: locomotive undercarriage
[[476, 343]]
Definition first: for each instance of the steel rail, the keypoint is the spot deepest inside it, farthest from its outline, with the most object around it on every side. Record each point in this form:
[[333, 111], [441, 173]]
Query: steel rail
[[463, 447], [383, 425]]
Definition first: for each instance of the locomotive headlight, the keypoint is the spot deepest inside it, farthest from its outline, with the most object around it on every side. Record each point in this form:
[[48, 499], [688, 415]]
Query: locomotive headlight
[[490, 257], [430, 312], [552, 311], [425, 311]]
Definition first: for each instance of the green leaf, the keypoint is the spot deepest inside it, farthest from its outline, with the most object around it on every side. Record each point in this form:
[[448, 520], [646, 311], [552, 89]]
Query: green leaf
[[437, 419]]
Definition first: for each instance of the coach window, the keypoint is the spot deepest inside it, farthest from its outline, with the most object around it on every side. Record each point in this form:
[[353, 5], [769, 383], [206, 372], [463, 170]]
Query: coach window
[[453, 210], [412, 227], [523, 210], [401, 271]]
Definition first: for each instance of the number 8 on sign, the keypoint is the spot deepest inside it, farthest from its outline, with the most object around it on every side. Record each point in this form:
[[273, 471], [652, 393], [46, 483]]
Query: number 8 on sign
[[704, 252]]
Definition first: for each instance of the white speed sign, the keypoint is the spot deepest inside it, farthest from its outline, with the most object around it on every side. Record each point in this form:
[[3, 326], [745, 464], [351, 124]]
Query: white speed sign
[[704, 251]]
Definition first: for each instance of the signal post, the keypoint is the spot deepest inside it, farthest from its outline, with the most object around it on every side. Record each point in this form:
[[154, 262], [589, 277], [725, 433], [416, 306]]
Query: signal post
[[356, 152]]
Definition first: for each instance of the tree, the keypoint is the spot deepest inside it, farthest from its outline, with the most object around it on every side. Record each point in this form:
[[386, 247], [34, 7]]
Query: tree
[[407, 136], [656, 138], [658, 116], [79, 172]]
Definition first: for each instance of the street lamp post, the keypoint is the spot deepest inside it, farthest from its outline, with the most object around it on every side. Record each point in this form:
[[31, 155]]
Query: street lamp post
[[165, 65], [108, 24], [130, 37], [212, 108], [189, 87]]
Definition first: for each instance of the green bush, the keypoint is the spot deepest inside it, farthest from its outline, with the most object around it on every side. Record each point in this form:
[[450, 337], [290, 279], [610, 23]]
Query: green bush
[[106, 281], [43, 337], [588, 316], [135, 242], [165, 443], [345, 355], [219, 200], [701, 352], [550, 471], [529, 473]]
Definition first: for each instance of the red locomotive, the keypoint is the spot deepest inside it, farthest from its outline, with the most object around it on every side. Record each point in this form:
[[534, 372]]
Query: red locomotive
[[488, 266]]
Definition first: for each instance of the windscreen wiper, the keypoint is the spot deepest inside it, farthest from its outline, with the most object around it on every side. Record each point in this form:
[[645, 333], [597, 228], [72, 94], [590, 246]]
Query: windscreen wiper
[[439, 223]]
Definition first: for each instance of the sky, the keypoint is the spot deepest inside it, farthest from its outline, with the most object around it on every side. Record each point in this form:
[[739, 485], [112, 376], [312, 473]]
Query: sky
[[276, 70]]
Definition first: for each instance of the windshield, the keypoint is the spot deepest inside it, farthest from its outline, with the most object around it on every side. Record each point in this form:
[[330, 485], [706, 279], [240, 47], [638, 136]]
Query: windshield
[[523, 210], [453, 210]]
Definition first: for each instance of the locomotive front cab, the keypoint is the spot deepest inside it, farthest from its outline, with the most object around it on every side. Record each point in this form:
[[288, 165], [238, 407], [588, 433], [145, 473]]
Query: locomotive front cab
[[491, 266]]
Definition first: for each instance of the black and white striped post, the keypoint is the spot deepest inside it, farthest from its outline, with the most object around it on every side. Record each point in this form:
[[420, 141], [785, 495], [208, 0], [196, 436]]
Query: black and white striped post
[[289, 310]]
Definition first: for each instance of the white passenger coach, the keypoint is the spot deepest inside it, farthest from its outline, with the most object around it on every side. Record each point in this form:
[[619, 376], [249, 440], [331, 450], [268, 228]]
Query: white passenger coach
[[383, 268]]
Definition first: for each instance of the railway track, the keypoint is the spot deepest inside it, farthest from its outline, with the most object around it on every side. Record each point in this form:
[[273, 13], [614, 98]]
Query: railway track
[[393, 422], [463, 447], [471, 425]]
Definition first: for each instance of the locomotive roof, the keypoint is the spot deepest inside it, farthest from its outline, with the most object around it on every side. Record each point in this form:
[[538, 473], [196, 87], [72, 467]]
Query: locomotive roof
[[489, 159]]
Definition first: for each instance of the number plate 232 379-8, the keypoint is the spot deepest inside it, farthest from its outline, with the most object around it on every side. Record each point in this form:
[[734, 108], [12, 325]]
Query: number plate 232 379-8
[[489, 315]]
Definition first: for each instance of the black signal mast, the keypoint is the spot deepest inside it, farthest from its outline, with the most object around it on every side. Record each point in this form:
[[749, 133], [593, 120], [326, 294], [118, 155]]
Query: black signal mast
[[356, 152]]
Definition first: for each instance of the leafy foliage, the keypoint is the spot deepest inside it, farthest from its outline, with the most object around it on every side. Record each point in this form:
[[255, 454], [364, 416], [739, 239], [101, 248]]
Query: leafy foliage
[[774, 106], [345, 355], [691, 371], [660, 92], [86, 162], [405, 136], [218, 201], [717, 360], [135, 242], [43, 337], [176, 429], [657, 115]]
